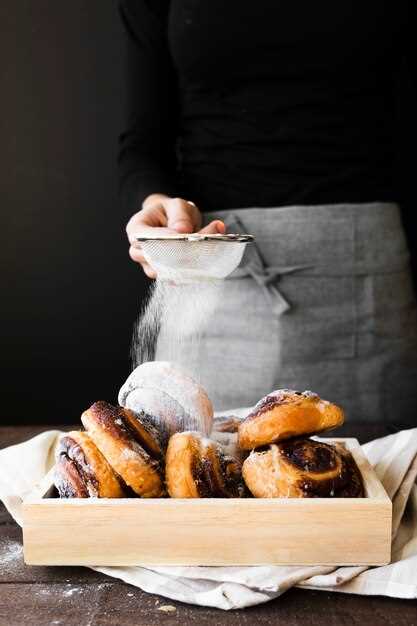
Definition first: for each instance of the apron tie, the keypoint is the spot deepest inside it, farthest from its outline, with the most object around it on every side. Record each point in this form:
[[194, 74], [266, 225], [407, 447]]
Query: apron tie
[[265, 276]]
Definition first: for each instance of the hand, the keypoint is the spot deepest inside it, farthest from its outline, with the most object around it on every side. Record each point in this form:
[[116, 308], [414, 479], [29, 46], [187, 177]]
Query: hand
[[163, 215]]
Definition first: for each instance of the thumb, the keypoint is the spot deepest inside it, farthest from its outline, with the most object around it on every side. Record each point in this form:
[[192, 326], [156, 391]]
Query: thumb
[[181, 217]]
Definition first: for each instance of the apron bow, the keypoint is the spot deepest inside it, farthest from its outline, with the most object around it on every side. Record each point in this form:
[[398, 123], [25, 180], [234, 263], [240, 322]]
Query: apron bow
[[265, 276]]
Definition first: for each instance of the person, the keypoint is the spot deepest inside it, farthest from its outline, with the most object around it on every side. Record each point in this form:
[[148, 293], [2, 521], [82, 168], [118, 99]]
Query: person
[[277, 119]]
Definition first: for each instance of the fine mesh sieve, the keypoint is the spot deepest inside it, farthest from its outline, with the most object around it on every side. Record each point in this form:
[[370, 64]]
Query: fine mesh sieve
[[190, 257]]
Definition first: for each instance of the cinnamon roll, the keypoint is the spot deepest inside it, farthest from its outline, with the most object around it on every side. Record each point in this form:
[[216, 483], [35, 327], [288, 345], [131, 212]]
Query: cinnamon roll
[[197, 467], [168, 395], [286, 413], [131, 444], [302, 468], [353, 487], [81, 471]]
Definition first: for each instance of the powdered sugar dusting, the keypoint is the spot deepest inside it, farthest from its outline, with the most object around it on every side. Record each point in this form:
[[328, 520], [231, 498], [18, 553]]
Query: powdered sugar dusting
[[311, 394], [11, 552], [71, 591], [173, 387], [128, 453], [283, 395], [158, 406]]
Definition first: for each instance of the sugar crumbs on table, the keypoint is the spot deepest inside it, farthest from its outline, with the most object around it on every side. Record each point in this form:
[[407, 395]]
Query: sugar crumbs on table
[[70, 592], [10, 551]]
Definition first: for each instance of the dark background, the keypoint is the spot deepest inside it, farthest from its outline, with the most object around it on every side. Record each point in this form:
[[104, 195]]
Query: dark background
[[70, 292]]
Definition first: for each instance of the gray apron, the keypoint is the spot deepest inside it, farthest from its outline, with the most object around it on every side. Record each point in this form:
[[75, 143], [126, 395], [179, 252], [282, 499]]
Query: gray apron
[[323, 301]]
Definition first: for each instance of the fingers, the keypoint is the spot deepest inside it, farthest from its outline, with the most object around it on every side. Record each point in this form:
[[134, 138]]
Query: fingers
[[173, 215], [167, 216], [148, 231], [137, 255], [214, 228], [147, 223], [149, 271], [182, 215]]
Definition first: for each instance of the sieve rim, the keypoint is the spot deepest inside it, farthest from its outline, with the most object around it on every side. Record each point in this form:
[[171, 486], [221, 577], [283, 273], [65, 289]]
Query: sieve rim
[[197, 237]]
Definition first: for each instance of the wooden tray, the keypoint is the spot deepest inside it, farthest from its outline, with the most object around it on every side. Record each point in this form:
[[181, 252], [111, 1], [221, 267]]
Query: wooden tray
[[208, 531]]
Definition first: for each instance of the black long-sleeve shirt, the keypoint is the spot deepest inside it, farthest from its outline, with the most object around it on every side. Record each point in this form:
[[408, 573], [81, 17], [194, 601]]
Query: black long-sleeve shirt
[[236, 103]]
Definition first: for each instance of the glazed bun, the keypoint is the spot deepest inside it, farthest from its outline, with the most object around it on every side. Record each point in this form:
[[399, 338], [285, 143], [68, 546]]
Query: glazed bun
[[284, 414], [81, 470], [302, 468], [168, 396], [132, 446], [197, 467]]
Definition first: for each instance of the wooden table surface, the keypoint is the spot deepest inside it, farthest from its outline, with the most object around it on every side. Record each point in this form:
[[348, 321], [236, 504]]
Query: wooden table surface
[[76, 596]]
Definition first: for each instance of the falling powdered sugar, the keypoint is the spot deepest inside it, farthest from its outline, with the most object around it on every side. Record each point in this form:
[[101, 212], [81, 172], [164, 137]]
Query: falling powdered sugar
[[174, 320], [190, 271], [180, 309]]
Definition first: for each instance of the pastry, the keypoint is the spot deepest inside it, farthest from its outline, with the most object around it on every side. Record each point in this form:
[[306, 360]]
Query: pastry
[[302, 468], [225, 433], [81, 470], [131, 444], [284, 414], [170, 398], [197, 467], [226, 424], [353, 487]]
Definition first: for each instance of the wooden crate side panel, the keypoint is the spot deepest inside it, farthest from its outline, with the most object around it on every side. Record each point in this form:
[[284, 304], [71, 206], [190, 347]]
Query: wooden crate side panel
[[286, 532]]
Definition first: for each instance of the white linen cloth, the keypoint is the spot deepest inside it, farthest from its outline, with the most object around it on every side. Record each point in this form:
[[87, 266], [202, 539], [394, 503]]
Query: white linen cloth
[[395, 461]]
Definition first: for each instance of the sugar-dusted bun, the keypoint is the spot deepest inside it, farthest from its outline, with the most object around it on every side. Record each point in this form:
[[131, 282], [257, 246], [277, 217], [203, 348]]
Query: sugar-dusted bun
[[81, 470], [168, 396], [286, 413], [132, 446], [197, 467], [302, 468]]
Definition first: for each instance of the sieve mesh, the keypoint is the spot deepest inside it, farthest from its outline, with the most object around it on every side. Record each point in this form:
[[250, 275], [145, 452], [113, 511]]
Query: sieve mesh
[[188, 258]]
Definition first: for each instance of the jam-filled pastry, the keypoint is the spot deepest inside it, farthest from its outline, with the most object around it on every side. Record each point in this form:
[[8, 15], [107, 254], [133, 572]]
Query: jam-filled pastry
[[132, 446], [197, 467], [301, 468], [81, 471], [286, 413], [168, 395]]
